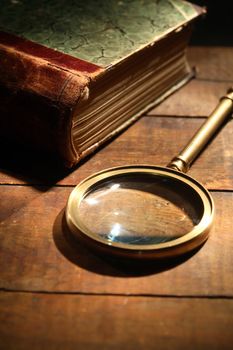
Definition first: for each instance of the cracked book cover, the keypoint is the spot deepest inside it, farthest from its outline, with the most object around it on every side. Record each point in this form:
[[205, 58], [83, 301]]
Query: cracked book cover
[[75, 73]]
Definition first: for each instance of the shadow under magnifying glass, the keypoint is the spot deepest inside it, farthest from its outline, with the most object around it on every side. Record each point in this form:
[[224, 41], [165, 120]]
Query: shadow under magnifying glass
[[76, 252]]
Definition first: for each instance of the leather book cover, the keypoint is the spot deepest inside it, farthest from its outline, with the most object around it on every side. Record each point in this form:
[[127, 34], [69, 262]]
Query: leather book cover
[[53, 53]]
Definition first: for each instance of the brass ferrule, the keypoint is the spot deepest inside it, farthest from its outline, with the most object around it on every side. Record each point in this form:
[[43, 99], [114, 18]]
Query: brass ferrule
[[179, 164]]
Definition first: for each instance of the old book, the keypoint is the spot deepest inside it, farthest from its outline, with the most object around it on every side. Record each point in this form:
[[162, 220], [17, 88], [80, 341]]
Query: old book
[[75, 73]]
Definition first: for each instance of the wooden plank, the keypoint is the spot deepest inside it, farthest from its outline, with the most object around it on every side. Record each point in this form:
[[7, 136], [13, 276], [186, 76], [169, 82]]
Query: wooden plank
[[92, 322], [149, 141], [196, 99], [38, 254], [212, 63]]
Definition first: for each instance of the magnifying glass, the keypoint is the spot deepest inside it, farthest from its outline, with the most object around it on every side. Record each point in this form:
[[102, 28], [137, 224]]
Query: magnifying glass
[[147, 212]]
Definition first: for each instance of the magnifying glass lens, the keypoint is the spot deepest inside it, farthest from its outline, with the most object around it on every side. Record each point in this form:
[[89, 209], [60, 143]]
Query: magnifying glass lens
[[140, 209]]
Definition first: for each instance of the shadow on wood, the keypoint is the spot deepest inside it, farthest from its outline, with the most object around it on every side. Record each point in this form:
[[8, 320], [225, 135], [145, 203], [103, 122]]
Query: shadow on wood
[[76, 252]]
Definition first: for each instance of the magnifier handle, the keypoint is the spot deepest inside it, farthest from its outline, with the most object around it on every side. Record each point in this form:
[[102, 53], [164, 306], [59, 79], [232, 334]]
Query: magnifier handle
[[185, 158]]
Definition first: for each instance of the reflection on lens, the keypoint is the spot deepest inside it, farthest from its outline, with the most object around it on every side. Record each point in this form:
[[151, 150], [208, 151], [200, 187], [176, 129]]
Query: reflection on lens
[[140, 210]]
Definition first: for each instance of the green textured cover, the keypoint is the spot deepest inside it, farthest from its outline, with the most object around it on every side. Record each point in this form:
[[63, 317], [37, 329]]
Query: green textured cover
[[99, 31]]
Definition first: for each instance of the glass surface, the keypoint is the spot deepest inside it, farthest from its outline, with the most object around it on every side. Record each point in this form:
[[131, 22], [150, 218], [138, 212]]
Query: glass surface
[[140, 210]]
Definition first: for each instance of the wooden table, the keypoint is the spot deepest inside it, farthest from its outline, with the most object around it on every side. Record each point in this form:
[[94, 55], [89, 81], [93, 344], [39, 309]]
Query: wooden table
[[55, 294]]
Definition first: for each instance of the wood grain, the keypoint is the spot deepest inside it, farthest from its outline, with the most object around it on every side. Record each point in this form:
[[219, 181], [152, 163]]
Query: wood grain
[[212, 63], [38, 254], [196, 99], [152, 141], [35, 321]]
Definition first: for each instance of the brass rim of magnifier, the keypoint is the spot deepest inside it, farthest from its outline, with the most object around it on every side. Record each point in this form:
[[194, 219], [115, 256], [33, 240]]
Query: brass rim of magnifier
[[175, 247]]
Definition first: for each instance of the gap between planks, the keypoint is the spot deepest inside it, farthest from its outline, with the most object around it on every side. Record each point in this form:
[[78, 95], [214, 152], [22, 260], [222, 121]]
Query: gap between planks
[[131, 295]]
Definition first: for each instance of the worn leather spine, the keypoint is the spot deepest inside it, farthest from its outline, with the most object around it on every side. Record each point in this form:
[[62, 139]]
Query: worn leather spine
[[37, 99]]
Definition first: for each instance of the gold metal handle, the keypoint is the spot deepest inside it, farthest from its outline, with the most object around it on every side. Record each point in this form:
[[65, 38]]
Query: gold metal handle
[[185, 158]]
